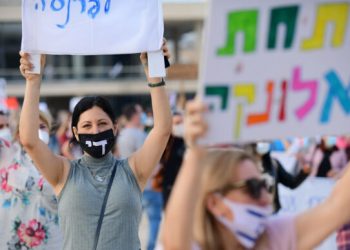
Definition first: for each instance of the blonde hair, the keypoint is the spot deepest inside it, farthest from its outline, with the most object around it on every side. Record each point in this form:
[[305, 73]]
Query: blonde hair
[[219, 168], [45, 117]]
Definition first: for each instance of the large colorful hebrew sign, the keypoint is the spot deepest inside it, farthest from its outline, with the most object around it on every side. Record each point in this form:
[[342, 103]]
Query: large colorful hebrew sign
[[90, 27], [277, 68]]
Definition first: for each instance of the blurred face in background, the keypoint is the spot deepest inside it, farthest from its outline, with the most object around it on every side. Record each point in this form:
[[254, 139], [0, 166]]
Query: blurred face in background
[[44, 131], [4, 122], [330, 141], [5, 132], [263, 147], [139, 115], [178, 126]]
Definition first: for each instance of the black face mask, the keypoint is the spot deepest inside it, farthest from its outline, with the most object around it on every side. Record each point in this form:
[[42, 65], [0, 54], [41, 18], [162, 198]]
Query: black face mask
[[97, 145]]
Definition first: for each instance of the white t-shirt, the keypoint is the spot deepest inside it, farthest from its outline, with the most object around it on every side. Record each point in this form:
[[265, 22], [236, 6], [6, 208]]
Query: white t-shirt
[[130, 140]]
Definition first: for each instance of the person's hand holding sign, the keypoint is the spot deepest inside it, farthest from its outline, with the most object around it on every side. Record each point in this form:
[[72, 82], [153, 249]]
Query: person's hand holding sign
[[145, 62], [26, 67]]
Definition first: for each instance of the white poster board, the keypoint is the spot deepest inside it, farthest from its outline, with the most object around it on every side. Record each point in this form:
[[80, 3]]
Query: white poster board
[[91, 27], [310, 193], [276, 68]]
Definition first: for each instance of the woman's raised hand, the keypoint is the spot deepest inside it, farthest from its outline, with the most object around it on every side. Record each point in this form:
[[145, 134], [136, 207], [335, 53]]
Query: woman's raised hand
[[26, 66], [144, 59], [195, 124]]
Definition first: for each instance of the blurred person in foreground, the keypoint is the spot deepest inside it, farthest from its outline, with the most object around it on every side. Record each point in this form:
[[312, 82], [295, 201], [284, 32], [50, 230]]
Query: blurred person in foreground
[[343, 234], [221, 201]]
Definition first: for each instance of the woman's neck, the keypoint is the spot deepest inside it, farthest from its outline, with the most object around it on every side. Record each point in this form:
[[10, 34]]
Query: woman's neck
[[229, 241]]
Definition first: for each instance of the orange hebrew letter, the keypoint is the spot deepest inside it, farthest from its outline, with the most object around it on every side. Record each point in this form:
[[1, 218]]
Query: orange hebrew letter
[[257, 118]]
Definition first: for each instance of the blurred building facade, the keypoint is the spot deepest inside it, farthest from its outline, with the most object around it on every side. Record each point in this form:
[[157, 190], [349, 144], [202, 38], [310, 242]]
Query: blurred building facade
[[111, 75]]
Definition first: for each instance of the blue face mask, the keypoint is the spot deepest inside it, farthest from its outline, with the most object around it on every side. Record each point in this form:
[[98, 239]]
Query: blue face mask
[[306, 142], [143, 118], [331, 141], [5, 134], [263, 148], [44, 136], [248, 223]]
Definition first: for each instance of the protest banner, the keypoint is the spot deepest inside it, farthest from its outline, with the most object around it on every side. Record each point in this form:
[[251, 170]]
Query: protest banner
[[274, 69], [310, 193], [91, 27]]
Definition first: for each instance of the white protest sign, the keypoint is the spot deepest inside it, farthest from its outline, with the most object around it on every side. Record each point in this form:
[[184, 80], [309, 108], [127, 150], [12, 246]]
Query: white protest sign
[[310, 193], [35, 60], [156, 65], [274, 69], [91, 27]]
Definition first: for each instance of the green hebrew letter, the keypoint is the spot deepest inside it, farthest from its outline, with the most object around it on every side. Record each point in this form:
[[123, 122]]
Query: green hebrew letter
[[287, 16], [240, 21], [221, 91]]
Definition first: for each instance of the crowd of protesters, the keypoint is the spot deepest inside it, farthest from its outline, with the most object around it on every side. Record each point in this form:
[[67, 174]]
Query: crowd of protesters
[[324, 157]]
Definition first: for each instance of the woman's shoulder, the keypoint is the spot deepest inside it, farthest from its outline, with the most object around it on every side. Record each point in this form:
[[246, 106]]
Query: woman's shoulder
[[281, 232], [195, 246], [76, 164], [124, 166], [75, 168], [281, 221]]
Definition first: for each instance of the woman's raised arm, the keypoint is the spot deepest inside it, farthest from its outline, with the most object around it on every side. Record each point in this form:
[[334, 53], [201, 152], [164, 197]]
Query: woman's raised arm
[[316, 224], [53, 167], [147, 157], [179, 215]]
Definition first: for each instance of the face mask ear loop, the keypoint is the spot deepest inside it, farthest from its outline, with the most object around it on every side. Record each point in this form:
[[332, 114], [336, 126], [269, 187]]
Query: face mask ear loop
[[223, 199], [221, 218]]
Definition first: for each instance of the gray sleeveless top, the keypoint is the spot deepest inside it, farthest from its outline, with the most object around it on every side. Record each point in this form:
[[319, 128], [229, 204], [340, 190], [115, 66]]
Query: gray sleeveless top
[[80, 202]]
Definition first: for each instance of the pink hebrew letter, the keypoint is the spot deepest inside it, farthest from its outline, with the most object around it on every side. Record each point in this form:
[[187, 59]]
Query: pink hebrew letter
[[298, 85]]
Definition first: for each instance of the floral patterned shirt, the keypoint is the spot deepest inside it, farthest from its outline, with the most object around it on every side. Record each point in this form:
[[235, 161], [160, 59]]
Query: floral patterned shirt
[[28, 206]]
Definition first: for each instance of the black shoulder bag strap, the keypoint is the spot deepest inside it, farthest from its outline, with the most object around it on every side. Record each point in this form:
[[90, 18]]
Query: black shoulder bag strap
[[100, 220]]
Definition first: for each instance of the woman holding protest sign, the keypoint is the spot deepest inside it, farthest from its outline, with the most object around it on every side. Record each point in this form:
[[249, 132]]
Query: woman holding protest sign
[[99, 196], [220, 201]]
